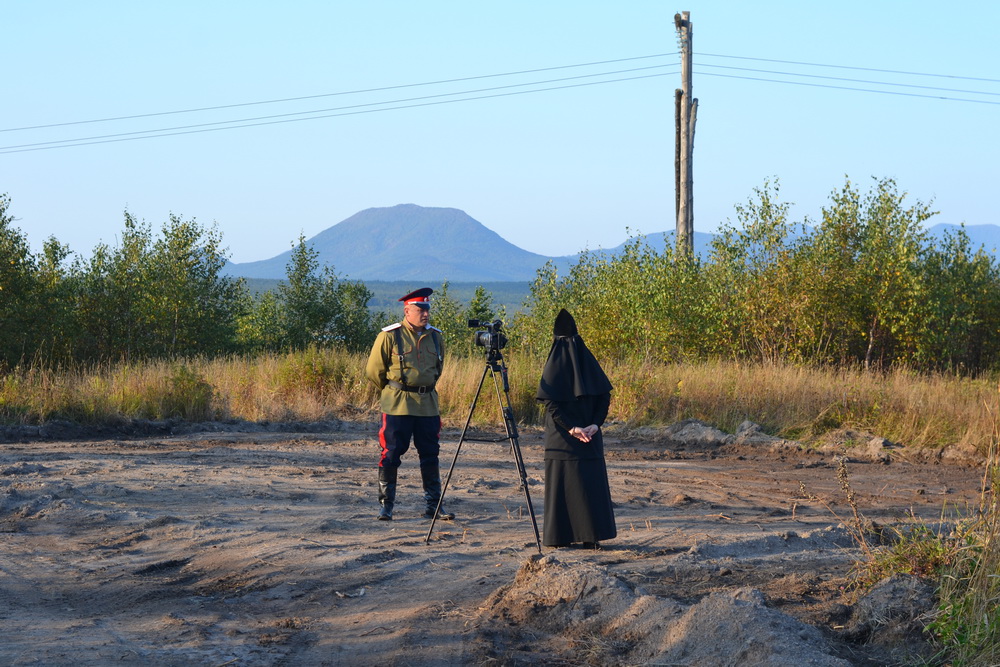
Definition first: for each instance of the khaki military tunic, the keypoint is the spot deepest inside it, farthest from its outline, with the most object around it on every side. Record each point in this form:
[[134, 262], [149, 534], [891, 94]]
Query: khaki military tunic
[[421, 367]]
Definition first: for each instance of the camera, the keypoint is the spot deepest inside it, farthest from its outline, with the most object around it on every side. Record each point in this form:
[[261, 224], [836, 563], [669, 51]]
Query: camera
[[492, 338]]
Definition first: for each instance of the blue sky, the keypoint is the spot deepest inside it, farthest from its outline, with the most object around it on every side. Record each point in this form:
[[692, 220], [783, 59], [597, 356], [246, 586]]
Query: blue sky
[[553, 172]]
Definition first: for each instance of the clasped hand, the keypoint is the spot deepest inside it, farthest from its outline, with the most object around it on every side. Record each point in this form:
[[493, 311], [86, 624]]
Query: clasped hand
[[585, 433]]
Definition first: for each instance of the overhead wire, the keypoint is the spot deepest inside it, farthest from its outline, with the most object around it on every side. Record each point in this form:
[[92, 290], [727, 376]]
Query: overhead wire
[[319, 111], [864, 90], [339, 93], [866, 69], [419, 101], [167, 132], [838, 78], [698, 65]]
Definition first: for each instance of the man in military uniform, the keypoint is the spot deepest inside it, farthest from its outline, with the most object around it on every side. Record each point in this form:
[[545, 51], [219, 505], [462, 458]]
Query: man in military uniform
[[405, 364]]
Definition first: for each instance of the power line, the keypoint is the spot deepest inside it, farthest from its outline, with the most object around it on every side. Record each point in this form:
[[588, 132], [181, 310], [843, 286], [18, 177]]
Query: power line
[[838, 78], [346, 92], [483, 76], [319, 111], [403, 103], [5, 150], [513, 73], [866, 69], [863, 90]]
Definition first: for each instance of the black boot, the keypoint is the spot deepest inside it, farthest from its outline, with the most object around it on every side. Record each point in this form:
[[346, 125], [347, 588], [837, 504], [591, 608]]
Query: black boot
[[386, 492], [431, 477]]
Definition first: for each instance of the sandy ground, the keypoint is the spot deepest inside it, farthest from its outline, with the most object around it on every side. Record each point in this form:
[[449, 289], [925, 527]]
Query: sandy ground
[[263, 548]]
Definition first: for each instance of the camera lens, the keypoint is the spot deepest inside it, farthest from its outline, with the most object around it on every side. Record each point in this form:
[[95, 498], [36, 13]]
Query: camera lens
[[491, 338]]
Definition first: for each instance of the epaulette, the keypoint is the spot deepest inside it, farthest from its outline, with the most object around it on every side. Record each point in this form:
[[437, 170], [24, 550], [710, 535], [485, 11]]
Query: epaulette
[[434, 328], [392, 326]]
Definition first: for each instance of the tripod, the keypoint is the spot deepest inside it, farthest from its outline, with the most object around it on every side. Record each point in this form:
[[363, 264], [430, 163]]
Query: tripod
[[495, 366]]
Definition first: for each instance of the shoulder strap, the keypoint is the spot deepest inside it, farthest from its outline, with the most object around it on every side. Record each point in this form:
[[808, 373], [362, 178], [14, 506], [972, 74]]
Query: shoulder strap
[[399, 352], [398, 335], [437, 343]]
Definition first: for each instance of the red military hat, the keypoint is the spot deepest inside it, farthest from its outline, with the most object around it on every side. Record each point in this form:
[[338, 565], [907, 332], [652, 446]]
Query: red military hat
[[419, 297]]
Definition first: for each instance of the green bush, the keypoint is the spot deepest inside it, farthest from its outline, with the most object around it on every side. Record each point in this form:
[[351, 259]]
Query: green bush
[[183, 393], [316, 372], [865, 286]]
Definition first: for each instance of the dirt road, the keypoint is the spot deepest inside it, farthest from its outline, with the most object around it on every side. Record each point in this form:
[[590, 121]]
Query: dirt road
[[262, 548]]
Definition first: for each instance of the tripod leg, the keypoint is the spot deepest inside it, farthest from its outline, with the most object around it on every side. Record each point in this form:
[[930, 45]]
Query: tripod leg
[[444, 487], [511, 425], [527, 495]]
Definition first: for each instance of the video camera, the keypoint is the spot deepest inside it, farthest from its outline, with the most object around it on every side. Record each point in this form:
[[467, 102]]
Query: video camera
[[492, 338]]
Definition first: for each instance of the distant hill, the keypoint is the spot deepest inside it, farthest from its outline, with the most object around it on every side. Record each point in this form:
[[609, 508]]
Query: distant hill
[[987, 236], [659, 240], [412, 244]]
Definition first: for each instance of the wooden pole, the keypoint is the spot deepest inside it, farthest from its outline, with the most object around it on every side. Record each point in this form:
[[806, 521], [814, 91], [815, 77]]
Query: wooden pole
[[685, 140], [690, 174], [678, 97]]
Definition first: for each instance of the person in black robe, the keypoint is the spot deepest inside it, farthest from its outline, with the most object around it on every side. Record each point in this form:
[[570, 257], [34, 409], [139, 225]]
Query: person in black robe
[[576, 394]]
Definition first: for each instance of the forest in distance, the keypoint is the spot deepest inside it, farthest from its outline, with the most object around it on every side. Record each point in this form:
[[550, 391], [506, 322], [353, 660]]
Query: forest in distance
[[864, 285], [385, 293]]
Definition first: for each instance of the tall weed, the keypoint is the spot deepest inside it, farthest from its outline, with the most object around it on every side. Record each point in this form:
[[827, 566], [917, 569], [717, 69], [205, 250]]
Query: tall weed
[[968, 623], [961, 555], [794, 401], [469, 382], [155, 391]]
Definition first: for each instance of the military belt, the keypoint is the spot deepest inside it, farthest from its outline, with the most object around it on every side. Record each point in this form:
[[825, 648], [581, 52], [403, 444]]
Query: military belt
[[406, 387]]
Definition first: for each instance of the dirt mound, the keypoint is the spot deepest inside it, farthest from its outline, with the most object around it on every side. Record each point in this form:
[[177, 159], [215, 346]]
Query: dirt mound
[[556, 610]]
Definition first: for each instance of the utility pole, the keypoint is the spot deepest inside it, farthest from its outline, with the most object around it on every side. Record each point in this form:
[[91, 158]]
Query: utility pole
[[686, 113]]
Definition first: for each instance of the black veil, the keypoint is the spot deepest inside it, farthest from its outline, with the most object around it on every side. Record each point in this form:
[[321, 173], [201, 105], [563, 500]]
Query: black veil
[[571, 369]]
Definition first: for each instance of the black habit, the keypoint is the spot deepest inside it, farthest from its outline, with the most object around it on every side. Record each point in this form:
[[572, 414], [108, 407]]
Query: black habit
[[576, 393]]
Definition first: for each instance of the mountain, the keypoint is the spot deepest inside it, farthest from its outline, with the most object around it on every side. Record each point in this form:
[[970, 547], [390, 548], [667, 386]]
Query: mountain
[[659, 240], [410, 242], [430, 245], [987, 236]]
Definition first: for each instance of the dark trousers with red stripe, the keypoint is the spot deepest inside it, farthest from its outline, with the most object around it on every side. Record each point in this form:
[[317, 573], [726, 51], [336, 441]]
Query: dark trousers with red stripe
[[398, 430]]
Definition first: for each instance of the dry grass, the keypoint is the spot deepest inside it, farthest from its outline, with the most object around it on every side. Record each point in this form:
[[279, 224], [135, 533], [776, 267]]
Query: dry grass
[[916, 410], [968, 620]]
